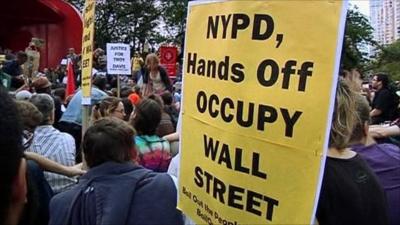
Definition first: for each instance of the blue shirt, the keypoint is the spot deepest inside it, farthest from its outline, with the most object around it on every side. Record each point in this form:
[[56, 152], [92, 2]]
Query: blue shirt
[[73, 113]]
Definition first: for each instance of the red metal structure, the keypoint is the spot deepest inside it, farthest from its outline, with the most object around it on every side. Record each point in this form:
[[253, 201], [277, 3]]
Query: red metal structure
[[57, 22]]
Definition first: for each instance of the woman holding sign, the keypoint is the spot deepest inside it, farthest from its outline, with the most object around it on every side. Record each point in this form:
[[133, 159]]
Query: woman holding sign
[[350, 192], [155, 78]]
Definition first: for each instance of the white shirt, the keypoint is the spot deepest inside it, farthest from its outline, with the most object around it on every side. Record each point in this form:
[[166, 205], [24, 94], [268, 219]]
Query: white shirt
[[59, 147]]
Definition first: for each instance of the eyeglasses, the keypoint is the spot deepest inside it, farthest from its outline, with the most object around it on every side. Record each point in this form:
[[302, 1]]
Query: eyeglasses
[[122, 111]]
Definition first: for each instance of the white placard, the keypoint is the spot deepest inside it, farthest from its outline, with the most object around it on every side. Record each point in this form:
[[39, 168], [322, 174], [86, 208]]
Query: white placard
[[118, 59], [64, 62]]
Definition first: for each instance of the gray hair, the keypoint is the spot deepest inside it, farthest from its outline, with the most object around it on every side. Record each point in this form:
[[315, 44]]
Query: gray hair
[[45, 104]]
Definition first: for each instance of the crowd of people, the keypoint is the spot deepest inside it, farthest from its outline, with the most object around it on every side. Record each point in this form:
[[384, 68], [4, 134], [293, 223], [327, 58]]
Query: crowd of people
[[127, 159], [124, 143]]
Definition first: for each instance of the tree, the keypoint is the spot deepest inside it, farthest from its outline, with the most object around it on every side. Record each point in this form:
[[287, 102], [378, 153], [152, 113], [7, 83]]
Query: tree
[[388, 60], [136, 22], [358, 34], [126, 21], [77, 3], [174, 19]]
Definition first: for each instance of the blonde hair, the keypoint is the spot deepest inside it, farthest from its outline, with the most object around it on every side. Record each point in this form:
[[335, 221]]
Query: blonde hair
[[353, 79], [153, 57], [344, 116], [363, 110]]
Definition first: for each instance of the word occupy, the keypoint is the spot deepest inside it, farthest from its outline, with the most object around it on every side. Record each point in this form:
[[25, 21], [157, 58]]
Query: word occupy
[[260, 114]]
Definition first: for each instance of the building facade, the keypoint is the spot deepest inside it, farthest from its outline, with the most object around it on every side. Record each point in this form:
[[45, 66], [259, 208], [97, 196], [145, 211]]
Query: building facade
[[385, 19]]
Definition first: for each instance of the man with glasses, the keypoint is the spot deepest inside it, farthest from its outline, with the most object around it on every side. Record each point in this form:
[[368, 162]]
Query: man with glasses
[[384, 104]]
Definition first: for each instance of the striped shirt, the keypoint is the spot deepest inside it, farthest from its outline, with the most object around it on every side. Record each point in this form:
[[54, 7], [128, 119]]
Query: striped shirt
[[59, 147]]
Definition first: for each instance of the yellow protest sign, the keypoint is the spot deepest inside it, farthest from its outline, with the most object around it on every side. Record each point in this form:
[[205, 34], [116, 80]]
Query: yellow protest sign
[[257, 100], [87, 49]]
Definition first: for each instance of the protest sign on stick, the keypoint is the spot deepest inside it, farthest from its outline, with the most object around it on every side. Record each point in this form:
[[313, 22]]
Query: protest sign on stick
[[87, 50], [87, 60], [118, 59], [259, 83]]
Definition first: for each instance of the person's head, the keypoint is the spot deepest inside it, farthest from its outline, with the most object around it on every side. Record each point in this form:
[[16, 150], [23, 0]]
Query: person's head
[[152, 62], [126, 91], [45, 104], [98, 52], [71, 51], [13, 167], [360, 130], [344, 116], [100, 82], [42, 85], [128, 106], [22, 57], [109, 107], [136, 89], [108, 140], [158, 99], [147, 117], [167, 98], [31, 117], [178, 86], [354, 79], [380, 81], [60, 92]]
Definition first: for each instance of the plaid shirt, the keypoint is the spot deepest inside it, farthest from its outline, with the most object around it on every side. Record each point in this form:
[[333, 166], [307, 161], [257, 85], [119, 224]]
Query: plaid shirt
[[59, 147]]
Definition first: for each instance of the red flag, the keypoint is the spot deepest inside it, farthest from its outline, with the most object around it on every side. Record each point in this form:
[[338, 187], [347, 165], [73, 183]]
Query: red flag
[[70, 80]]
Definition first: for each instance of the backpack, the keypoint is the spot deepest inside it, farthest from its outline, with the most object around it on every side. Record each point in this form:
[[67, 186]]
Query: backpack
[[101, 202]]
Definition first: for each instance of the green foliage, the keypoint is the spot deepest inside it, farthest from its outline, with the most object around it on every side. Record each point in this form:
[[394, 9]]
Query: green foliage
[[77, 3], [358, 33], [125, 21], [388, 60], [174, 18], [135, 22]]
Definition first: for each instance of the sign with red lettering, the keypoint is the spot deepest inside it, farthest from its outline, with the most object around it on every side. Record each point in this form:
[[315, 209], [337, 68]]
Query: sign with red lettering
[[168, 58]]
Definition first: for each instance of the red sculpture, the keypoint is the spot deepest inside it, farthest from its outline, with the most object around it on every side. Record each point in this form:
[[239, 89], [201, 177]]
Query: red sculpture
[[56, 22]]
